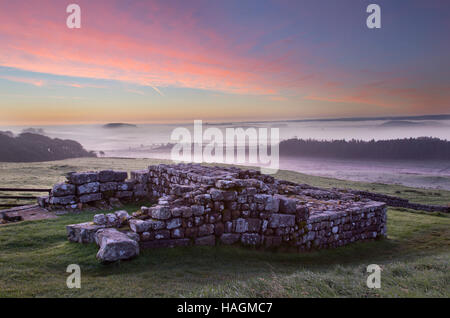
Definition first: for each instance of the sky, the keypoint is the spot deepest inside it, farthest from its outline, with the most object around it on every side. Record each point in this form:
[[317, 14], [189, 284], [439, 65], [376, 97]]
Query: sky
[[176, 61]]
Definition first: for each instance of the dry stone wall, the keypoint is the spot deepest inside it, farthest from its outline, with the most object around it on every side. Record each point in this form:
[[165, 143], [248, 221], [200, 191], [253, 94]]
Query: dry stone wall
[[103, 189], [198, 205]]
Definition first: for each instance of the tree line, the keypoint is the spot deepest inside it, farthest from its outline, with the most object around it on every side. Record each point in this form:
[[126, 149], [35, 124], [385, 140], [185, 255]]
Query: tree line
[[423, 148]]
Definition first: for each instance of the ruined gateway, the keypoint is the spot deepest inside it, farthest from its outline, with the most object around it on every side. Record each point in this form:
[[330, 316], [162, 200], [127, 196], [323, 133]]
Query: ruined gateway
[[200, 205]]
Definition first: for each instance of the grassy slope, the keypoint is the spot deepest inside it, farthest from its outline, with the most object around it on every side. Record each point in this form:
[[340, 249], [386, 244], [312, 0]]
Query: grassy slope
[[34, 255]]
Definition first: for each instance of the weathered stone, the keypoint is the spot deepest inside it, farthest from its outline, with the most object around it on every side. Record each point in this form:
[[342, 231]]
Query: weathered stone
[[120, 176], [225, 184], [63, 190], [206, 229], [83, 232], [166, 243], [206, 240], [43, 201], [177, 233], [139, 226], [90, 197], [79, 178], [216, 195], [100, 219], [162, 234], [63, 200], [272, 204], [252, 239], [125, 186], [230, 238], [115, 246], [122, 216], [254, 225], [108, 186], [287, 205], [181, 189], [140, 176], [174, 223], [87, 188], [281, 220], [112, 220], [106, 176], [198, 209], [132, 235], [160, 212], [240, 225]]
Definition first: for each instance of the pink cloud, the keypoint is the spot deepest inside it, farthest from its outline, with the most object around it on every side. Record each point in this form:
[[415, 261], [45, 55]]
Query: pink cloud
[[35, 82], [155, 45]]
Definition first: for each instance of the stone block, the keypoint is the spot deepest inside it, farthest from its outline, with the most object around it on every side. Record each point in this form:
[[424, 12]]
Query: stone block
[[106, 176], [100, 219], [198, 209], [160, 212], [254, 225], [90, 197], [251, 239], [230, 238], [169, 243], [79, 178], [281, 220], [63, 190], [108, 186], [92, 187], [141, 176], [173, 223], [120, 176], [83, 232], [240, 225], [206, 240], [287, 205], [205, 229], [71, 199], [115, 246]]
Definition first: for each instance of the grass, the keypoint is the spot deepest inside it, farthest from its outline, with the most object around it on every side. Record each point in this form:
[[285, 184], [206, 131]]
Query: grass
[[34, 255], [414, 259]]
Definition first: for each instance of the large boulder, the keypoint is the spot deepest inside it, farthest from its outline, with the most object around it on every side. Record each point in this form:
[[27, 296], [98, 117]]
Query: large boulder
[[115, 246]]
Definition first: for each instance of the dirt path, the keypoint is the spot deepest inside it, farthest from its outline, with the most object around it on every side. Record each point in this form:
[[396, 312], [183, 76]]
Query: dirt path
[[28, 213]]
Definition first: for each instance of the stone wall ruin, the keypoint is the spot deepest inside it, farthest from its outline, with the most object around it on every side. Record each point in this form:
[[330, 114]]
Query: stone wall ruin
[[198, 205]]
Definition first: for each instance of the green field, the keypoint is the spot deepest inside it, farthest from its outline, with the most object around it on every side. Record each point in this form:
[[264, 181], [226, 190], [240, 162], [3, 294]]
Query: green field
[[34, 255]]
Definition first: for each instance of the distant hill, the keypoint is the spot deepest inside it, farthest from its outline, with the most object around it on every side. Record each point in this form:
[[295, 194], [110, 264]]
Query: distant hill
[[119, 125], [406, 123], [29, 147], [400, 123], [423, 148]]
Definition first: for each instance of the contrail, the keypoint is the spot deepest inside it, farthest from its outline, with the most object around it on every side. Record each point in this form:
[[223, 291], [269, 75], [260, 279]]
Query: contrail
[[156, 89]]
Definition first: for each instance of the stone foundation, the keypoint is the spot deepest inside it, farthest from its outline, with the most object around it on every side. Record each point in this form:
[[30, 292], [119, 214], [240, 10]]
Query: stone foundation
[[197, 205]]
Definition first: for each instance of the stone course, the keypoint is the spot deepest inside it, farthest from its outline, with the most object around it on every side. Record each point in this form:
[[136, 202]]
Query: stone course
[[198, 205]]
